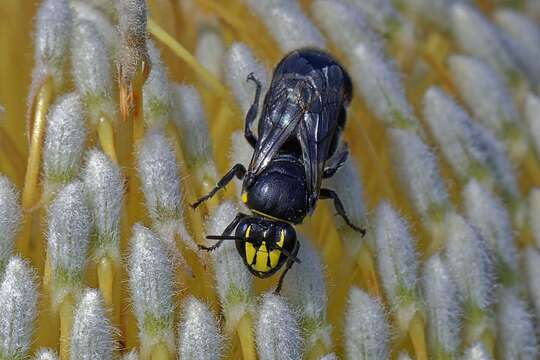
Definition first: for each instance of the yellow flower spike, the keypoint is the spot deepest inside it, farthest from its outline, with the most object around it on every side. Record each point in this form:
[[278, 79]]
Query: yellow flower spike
[[317, 351], [107, 283], [65, 313], [530, 169], [160, 352], [30, 194], [135, 97], [206, 76], [106, 138], [12, 161], [244, 331], [241, 28], [366, 267], [417, 336]]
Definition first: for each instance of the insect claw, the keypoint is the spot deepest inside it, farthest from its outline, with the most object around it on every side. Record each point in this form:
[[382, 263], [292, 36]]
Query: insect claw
[[205, 248]]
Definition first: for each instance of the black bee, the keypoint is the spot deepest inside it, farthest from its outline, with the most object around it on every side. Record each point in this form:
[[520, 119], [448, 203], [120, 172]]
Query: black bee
[[296, 147]]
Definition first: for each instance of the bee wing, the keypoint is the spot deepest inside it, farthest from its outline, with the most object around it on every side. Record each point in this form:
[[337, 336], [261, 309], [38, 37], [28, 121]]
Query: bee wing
[[279, 121], [316, 133], [320, 124]]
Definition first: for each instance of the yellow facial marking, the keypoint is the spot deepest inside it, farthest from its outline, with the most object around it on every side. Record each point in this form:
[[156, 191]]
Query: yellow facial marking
[[274, 258], [244, 197], [281, 238], [250, 249], [261, 262], [274, 254], [250, 252]]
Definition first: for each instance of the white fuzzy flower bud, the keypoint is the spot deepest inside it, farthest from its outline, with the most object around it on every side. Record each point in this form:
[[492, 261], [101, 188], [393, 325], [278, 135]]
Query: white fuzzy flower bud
[[396, 261], [92, 70], [191, 122], [345, 25], [534, 215], [160, 180], [532, 270], [278, 335], [132, 28], [151, 284], [10, 217], [366, 330], [526, 34], [239, 63], [45, 354], [476, 352], [82, 10], [305, 287], [484, 92], [65, 137], [18, 301], [51, 40], [381, 87], [419, 173], [436, 12], [373, 73], [288, 24], [470, 149], [443, 309], [404, 356], [381, 15], [92, 334], [347, 182], [132, 355], [479, 37], [156, 91], [233, 280], [491, 218], [532, 118], [210, 50], [532, 7], [331, 356], [198, 333], [517, 334], [69, 221], [105, 190], [106, 6], [486, 95], [469, 263]]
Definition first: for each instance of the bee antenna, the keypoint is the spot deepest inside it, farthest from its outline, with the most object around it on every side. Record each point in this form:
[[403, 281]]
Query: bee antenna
[[224, 237]]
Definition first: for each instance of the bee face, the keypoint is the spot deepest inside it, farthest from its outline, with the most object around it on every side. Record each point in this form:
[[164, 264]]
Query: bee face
[[264, 243]]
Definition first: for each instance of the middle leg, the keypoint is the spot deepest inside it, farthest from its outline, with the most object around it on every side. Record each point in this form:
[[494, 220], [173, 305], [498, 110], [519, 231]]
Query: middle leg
[[330, 194], [237, 170]]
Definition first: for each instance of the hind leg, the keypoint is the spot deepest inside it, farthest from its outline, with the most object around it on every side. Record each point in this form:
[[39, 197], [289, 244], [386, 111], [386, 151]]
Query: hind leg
[[330, 194], [252, 112]]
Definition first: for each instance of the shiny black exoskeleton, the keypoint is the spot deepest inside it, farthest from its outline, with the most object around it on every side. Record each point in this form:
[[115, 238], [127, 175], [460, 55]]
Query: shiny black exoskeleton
[[295, 148]]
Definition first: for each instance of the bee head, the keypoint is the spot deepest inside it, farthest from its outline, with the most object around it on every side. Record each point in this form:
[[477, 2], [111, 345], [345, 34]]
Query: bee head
[[265, 245]]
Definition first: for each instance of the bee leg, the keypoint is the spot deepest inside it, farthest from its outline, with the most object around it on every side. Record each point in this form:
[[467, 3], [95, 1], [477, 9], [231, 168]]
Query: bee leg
[[330, 194], [237, 170], [288, 266], [228, 231], [252, 112], [335, 163]]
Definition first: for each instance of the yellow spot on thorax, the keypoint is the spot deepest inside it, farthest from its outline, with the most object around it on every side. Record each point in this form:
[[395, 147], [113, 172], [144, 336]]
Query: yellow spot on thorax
[[244, 197]]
